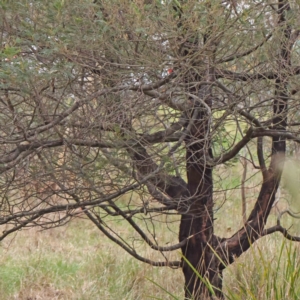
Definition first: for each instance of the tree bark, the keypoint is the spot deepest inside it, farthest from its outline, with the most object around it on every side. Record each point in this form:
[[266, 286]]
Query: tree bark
[[197, 222]]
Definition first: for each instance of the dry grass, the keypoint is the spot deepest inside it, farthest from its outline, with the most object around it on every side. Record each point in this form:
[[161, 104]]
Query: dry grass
[[77, 262]]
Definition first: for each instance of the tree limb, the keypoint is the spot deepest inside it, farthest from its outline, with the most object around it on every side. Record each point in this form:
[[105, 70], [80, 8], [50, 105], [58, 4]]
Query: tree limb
[[245, 53]]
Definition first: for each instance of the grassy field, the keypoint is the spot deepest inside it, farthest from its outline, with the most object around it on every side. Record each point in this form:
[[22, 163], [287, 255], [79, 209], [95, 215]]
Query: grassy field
[[77, 262]]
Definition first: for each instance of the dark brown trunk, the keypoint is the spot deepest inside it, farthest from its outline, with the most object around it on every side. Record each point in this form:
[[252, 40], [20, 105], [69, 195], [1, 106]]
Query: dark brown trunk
[[197, 222], [199, 253], [197, 219]]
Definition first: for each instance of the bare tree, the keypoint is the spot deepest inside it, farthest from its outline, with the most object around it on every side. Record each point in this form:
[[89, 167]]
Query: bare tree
[[120, 109]]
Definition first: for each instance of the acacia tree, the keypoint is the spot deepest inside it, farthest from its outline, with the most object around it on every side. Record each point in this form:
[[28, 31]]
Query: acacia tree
[[112, 98]]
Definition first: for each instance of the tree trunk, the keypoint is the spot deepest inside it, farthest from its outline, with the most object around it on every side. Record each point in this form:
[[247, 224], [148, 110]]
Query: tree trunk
[[197, 219], [199, 254]]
